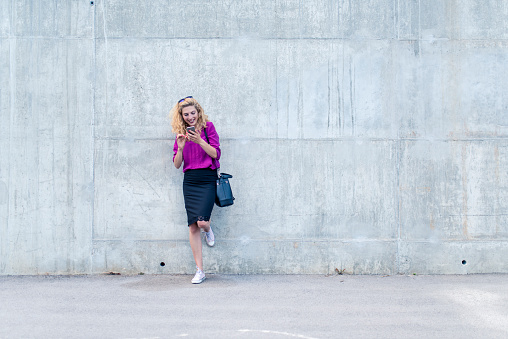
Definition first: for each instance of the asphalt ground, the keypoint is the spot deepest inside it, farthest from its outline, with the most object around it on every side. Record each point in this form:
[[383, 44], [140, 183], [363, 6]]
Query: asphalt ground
[[254, 306]]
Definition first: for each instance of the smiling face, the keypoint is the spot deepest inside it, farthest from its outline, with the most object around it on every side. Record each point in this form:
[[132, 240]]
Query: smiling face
[[190, 115]]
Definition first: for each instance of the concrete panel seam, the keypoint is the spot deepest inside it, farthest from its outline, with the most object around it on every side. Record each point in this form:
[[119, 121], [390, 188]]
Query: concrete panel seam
[[251, 240], [93, 141], [103, 138], [31, 38], [398, 194], [455, 241], [357, 39]]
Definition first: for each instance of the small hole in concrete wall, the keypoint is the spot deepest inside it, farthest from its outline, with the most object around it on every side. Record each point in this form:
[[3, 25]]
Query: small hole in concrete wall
[[91, 3], [464, 262], [163, 264]]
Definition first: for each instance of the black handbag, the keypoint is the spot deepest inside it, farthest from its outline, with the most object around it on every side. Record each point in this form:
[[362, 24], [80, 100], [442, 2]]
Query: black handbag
[[223, 194]]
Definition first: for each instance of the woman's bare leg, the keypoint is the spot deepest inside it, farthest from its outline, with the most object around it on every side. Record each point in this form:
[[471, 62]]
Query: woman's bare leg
[[204, 225], [195, 242]]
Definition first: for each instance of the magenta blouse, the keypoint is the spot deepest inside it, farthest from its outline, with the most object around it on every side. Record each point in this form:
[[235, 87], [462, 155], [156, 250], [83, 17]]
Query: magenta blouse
[[194, 156]]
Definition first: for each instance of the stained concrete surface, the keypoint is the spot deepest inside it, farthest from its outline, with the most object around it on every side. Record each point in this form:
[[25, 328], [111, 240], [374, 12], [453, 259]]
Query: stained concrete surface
[[370, 136], [254, 306]]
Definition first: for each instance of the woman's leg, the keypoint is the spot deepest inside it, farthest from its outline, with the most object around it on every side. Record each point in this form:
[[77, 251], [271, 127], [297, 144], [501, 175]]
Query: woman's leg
[[204, 225], [195, 242], [209, 236]]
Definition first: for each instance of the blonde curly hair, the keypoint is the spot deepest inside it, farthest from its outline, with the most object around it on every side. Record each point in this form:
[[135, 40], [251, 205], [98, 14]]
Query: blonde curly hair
[[178, 124]]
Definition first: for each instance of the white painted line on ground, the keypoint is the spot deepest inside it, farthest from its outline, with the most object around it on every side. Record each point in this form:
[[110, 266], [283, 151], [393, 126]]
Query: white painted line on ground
[[281, 333]]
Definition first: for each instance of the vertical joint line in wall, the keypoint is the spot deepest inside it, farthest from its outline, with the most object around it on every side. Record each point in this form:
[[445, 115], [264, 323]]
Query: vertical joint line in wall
[[329, 98], [352, 96], [299, 114], [339, 94], [12, 96], [277, 86], [397, 180], [288, 97], [350, 11], [92, 131], [498, 183], [340, 81], [396, 19], [300, 19], [298, 107], [104, 28], [398, 156], [419, 29], [338, 15]]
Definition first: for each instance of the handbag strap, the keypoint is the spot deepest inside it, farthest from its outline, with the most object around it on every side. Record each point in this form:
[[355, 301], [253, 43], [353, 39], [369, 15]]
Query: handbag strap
[[206, 134], [213, 159]]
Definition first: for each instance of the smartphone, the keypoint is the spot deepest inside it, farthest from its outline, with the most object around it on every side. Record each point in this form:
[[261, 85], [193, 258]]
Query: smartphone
[[191, 128]]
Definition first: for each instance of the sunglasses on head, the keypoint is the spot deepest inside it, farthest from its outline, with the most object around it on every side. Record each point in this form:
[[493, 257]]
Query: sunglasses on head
[[189, 97]]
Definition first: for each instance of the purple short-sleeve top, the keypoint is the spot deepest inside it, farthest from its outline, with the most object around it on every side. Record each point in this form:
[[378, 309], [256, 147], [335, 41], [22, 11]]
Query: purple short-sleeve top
[[194, 157]]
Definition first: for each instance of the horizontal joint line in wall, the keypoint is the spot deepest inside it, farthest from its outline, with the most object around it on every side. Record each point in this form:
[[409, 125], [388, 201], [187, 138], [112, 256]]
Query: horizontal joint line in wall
[[48, 37], [133, 139], [237, 240], [361, 39], [237, 37], [455, 139], [478, 215], [315, 240], [315, 139], [487, 241], [141, 240], [248, 139], [450, 39]]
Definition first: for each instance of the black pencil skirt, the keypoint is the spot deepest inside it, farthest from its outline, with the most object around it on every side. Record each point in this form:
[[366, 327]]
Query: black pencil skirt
[[199, 194]]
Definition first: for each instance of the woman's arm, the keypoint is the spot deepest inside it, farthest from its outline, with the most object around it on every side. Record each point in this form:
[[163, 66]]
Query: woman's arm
[[210, 150], [213, 139], [178, 158]]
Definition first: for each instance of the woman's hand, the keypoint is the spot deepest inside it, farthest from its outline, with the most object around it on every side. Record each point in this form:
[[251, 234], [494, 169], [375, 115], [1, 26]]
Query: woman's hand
[[181, 139], [194, 137]]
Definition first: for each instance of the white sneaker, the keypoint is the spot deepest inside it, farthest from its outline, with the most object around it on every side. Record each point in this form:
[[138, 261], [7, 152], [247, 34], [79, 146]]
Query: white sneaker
[[199, 277], [210, 238]]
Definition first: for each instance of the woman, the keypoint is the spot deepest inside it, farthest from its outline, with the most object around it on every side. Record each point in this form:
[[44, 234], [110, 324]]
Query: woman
[[199, 151]]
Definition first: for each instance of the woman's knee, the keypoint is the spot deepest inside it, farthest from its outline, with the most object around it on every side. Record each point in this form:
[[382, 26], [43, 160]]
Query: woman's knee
[[203, 224], [194, 228]]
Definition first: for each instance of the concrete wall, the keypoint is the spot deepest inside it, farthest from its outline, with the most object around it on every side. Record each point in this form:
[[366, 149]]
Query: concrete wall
[[369, 136]]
